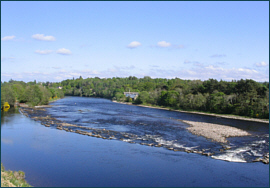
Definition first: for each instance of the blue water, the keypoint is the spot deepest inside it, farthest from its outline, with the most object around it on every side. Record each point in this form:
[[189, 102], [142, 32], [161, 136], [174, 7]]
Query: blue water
[[51, 157]]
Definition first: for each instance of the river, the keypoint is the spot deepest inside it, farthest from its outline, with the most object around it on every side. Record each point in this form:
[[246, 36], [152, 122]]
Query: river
[[52, 157]]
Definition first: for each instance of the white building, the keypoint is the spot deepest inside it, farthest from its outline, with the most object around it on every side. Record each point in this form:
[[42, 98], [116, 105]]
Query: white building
[[132, 95]]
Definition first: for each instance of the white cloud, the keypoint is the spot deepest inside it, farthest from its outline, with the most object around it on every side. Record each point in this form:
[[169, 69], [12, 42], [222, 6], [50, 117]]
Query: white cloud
[[261, 64], [43, 52], [63, 51], [205, 72], [7, 38], [55, 76], [229, 73], [42, 37], [197, 71], [163, 44], [202, 73], [134, 44], [191, 72]]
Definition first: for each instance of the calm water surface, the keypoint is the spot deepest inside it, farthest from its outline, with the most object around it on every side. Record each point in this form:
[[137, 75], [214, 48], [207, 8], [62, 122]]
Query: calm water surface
[[51, 157]]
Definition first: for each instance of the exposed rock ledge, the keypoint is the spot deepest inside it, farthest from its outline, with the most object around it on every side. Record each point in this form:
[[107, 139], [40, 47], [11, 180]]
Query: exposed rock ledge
[[215, 132]]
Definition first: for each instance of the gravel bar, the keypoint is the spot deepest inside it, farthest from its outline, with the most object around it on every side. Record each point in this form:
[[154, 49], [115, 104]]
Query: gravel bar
[[215, 132]]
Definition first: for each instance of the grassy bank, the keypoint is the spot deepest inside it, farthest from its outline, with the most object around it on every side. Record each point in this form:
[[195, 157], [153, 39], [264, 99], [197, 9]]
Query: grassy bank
[[229, 116], [12, 179]]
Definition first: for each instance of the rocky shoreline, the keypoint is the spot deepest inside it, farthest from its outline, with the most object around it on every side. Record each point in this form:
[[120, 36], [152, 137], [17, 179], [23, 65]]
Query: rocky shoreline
[[39, 114]]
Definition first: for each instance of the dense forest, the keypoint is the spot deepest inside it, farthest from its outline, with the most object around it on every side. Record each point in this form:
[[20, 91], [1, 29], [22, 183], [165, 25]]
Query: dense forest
[[31, 93], [242, 97]]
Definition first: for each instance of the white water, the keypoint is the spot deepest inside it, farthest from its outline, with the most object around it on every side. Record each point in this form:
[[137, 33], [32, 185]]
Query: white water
[[237, 154]]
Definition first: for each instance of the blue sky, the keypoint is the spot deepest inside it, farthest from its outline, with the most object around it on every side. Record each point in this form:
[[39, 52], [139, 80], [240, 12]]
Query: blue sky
[[53, 41]]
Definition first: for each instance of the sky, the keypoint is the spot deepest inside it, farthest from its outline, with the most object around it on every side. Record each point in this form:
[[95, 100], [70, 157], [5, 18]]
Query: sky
[[53, 41]]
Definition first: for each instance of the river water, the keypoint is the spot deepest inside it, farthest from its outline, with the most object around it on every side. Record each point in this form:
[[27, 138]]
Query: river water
[[52, 157]]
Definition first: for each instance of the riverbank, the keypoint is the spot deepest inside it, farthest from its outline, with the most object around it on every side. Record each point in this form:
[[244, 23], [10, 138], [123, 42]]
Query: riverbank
[[200, 113], [13, 179], [39, 106]]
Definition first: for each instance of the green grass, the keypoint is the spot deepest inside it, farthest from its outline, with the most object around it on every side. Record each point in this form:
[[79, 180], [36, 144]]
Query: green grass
[[205, 112], [10, 178]]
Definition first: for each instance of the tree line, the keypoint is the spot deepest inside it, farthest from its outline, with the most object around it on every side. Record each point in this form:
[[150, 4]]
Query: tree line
[[31, 93], [239, 97], [242, 97]]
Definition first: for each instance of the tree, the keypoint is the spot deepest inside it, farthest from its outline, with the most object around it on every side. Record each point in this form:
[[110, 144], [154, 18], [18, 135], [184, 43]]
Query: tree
[[242, 97], [143, 97], [7, 95], [120, 96]]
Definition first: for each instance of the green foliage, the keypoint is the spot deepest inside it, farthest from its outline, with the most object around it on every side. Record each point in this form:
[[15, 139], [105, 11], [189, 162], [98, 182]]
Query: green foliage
[[128, 99], [13, 178], [168, 98], [144, 97], [242, 97], [120, 96], [7, 95], [32, 93]]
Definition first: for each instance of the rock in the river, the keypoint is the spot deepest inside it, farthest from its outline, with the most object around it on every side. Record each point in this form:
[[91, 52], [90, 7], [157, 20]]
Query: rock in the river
[[59, 127], [207, 154], [257, 159], [265, 159], [226, 147], [99, 136]]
